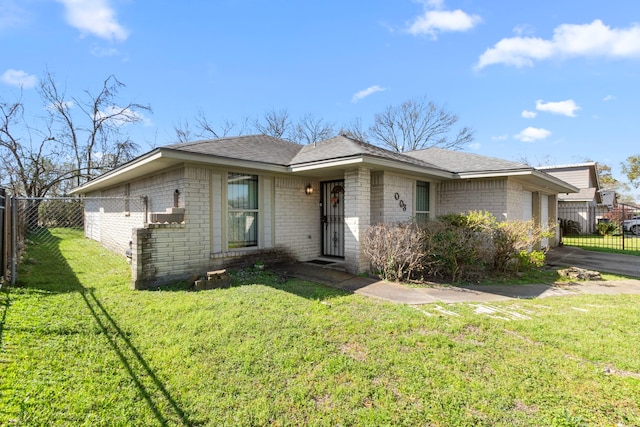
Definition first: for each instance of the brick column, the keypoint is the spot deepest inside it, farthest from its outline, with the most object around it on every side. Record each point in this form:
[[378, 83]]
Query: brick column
[[141, 258], [357, 217], [553, 220]]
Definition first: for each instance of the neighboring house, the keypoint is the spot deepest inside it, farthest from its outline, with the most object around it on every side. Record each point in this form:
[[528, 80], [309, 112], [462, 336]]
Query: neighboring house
[[590, 203], [211, 203]]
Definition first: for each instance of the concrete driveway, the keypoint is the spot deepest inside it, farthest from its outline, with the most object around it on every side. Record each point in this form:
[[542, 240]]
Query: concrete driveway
[[399, 293], [568, 256]]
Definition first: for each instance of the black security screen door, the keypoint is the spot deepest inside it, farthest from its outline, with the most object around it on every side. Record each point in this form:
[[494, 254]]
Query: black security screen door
[[333, 218]]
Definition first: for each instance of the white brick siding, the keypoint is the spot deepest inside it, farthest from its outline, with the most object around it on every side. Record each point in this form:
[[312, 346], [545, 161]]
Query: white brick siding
[[463, 196], [384, 206], [297, 217], [357, 196]]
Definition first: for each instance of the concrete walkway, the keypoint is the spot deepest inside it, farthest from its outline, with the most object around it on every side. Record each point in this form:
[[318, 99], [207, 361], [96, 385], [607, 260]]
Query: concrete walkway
[[399, 293]]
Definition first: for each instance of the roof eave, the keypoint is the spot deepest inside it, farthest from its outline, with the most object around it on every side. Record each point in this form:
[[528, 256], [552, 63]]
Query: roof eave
[[554, 183], [370, 161], [162, 158]]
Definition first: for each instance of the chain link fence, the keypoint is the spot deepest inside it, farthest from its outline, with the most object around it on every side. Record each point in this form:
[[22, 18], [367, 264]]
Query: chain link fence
[[597, 227], [32, 221]]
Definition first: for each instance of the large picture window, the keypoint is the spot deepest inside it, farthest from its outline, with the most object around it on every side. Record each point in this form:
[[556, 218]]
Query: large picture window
[[242, 215], [422, 201]]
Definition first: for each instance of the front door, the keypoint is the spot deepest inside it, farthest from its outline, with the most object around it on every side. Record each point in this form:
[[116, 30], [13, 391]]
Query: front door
[[333, 218]]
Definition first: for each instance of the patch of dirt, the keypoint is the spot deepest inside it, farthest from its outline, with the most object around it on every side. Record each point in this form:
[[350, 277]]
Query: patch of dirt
[[355, 350]]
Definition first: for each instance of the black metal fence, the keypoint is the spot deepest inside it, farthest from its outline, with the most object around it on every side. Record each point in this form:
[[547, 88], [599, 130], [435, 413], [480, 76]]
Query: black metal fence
[[602, 227]]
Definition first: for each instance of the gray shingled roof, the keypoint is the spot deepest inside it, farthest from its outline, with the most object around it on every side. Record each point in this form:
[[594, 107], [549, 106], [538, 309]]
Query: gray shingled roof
[[341, 146], [459, 162], [267, 149], [257, 148]]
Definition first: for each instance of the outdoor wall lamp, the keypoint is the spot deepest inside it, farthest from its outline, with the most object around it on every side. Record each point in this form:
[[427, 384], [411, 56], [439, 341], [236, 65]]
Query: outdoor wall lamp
[[308, 189]]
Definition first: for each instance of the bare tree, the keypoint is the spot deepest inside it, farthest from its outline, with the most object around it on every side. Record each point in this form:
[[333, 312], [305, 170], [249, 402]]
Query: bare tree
[[274, 123], [309, 130], [74, 141], [354, 130], [207, 130], [92, 128], [31, 161], [418, 123], [183, 132], [224, 129]]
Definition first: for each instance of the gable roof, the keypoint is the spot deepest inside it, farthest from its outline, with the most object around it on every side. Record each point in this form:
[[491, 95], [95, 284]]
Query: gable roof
[[256, 148], [575, 174], [271, 154], [343, 150], [343, 146], [460, 162]]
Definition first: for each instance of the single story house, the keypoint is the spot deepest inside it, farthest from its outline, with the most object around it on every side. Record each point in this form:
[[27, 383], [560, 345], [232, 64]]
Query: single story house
[[210, 203], [590, 203]]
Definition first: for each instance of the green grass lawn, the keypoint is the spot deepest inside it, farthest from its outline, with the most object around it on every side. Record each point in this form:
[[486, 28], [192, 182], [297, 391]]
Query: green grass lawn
[[78, 347]]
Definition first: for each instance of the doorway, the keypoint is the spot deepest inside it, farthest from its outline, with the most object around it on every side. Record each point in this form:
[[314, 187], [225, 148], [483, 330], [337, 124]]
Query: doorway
[[333, 218]]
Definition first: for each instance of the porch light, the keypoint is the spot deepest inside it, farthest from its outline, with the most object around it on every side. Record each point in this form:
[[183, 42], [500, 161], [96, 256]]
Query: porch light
[[308, 189]]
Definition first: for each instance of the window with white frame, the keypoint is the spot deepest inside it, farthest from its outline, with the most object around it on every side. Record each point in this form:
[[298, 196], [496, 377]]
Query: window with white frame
[[242, 211], [422, 201]]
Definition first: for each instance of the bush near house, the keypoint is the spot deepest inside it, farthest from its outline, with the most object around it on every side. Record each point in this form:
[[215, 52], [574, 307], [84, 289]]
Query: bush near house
[[570, 227], [457, 247], [606, 228]]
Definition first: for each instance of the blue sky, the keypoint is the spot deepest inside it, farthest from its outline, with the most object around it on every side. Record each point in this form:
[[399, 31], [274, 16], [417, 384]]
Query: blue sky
[[554, 82]]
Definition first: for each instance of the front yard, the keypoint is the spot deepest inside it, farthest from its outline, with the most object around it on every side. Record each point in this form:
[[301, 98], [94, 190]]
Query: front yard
[[612, 244], [79, 348]]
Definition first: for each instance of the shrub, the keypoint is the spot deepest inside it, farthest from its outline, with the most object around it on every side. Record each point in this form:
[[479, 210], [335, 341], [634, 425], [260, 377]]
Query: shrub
[[607, 228], [570, 227], [395, 251], [457, 247], [513, 237], [532, 259]]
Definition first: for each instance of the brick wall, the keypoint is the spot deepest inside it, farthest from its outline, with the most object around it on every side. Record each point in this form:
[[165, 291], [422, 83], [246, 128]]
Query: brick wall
[[515, 200], [297, 217], [110, 220], [466, 195], [357, 195], [384, 206], [289, 227]]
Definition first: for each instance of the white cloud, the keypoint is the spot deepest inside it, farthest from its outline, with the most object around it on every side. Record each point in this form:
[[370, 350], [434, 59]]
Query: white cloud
[[366, 92], [609, 98], [19, 78], [65, 105], [436, 4], [436, 20], [11, 14], [474, 146], [102, 51], [528, 114], [569, 40], [124, 116], [523, 29], [531, 134], [566, 108], [500, 137], [95, 17]]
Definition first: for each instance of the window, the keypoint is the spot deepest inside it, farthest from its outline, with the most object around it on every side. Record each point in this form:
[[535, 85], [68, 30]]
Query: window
[[422, 201], [242, 202]]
